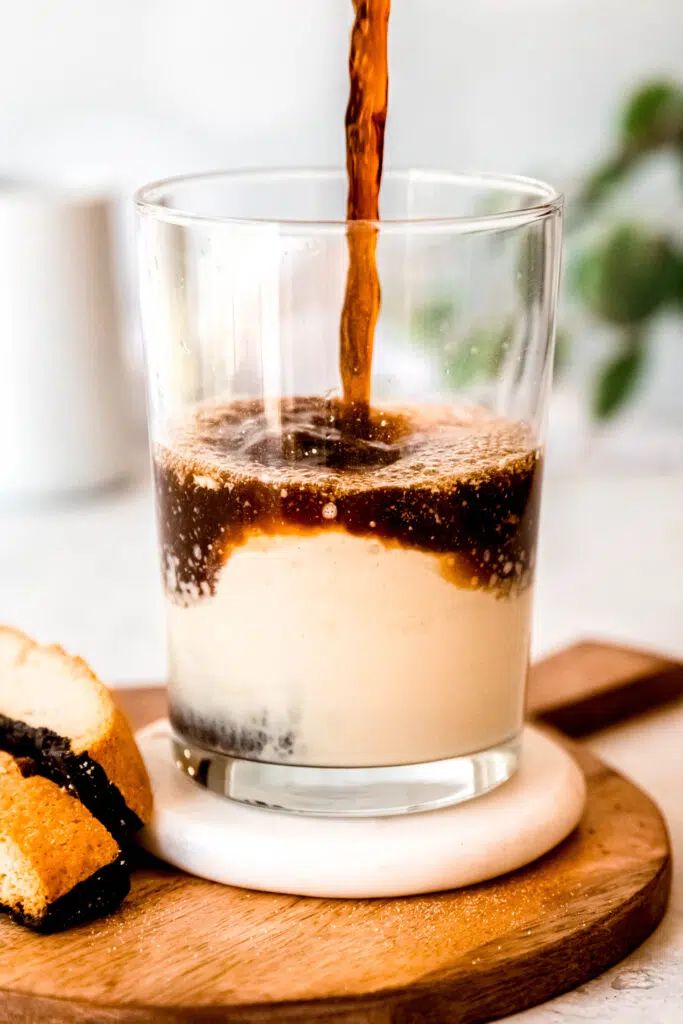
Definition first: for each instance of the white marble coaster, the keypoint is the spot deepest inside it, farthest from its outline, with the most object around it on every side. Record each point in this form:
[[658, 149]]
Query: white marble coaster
[[224, 841]]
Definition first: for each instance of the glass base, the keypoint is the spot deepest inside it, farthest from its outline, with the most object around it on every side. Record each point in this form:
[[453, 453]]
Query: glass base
[[349, 792]]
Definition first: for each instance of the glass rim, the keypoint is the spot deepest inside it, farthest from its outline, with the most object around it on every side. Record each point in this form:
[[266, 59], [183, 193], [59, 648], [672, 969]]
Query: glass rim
[[149, 200]]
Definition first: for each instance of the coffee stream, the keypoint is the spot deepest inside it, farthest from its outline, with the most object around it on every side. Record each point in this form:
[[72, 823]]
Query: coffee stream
[[365, 120], [346, 434]]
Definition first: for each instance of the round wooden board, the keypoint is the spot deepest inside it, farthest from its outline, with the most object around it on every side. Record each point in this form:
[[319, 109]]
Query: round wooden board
[[181, 949]]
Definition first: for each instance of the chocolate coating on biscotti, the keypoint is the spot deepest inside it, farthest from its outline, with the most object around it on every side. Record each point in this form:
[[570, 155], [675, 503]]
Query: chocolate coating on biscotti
[[95, 896], [52, 757]]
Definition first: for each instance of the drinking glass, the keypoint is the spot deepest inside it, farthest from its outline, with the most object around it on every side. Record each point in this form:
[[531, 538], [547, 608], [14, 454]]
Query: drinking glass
[[348, 620]]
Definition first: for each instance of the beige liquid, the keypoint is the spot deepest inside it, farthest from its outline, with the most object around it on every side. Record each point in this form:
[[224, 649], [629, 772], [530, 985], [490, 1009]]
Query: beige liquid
[[367, 654]]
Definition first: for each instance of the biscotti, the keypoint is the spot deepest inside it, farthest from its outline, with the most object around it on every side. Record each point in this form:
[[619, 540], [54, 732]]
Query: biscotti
[[58, 864], [54, 710]]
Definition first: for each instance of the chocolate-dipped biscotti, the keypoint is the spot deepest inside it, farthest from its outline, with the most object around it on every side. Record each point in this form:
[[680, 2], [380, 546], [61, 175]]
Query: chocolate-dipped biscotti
[[58, 864], [54, 710], [73, 788]]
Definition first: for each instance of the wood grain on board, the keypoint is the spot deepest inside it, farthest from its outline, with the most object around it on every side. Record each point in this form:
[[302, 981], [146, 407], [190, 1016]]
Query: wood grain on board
[[181, 949]]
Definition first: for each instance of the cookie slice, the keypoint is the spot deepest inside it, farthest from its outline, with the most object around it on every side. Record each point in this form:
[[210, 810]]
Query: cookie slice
[[54, 710], [58, 864]]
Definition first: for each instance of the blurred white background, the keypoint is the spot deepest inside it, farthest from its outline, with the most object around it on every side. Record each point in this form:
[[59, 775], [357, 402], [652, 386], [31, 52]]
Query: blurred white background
[[120, 91]]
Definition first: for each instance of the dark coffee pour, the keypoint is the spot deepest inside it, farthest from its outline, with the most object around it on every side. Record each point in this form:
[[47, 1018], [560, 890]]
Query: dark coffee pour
[[346, 434], [463, 485], [460, 484], [365, 121], [317, 433]]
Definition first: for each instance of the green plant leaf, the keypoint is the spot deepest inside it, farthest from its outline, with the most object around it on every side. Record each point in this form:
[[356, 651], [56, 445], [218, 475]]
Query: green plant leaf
[[678, 281], [654, 116], [618, 379], [477, 357], [599, 184], [626, 278], [433, 321], [562, 349]]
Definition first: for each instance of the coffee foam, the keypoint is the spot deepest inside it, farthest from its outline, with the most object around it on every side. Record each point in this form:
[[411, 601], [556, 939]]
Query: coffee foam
[[435, 447]]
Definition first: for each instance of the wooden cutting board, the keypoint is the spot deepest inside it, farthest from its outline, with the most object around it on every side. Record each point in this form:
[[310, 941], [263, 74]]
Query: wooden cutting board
[[181, 949]]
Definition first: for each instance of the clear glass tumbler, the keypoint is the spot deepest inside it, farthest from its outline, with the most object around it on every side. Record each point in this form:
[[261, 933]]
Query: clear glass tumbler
[[348, 615]]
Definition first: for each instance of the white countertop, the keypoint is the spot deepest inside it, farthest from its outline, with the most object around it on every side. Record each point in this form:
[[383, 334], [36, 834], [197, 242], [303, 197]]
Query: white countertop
[[84, 573]]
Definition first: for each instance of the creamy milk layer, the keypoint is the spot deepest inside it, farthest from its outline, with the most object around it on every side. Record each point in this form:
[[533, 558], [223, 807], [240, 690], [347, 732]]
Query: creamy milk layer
[[324, 648]]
